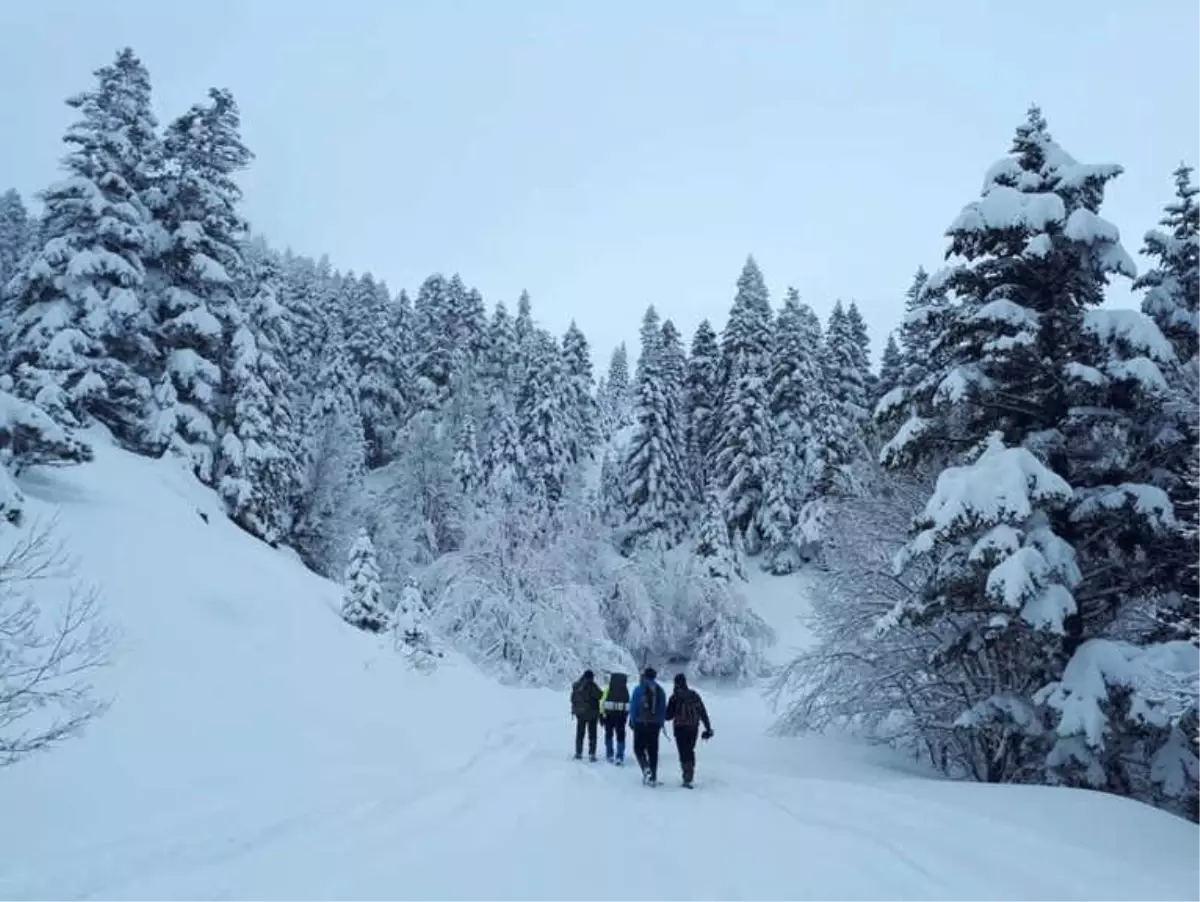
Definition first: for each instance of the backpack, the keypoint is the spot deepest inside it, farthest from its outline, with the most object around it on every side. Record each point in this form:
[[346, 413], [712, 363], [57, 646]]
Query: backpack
[[648, 713], [687, 708], [617, 699]]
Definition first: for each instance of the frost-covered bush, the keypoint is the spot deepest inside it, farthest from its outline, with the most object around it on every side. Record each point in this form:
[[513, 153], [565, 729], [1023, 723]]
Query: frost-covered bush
[[512, 598], [411, 635]]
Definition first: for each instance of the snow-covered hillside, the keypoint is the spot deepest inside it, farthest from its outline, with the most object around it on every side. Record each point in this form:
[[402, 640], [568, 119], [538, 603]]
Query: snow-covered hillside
[[259, 747]]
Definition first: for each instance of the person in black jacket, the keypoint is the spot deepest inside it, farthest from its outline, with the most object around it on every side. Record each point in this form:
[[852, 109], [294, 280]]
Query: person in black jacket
[[686, 710], [585, 708]]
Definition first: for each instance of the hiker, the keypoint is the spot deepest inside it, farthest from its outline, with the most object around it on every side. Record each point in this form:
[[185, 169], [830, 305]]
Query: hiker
[[686, 710], [585, 708], [614, 708], [647, 715]]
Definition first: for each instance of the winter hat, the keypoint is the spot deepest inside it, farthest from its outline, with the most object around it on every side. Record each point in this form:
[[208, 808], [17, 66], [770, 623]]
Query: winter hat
[[649, 673], [680, 681], [588, 675]]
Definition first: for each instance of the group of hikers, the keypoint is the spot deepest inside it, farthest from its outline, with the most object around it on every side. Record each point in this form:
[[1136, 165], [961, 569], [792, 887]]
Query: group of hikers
[[647, 710]]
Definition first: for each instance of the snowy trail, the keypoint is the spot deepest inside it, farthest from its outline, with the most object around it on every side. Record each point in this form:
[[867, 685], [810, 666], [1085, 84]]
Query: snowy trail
[[258, 748]]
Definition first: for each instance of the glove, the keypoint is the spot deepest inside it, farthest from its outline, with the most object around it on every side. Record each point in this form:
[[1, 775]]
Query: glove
[[707, 734]]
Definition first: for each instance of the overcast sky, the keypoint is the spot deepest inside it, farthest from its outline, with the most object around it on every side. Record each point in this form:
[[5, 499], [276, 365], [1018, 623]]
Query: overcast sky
[[605, 156]]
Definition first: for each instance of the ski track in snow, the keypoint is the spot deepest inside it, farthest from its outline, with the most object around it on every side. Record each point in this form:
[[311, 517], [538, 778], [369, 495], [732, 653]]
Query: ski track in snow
[[258, 748]]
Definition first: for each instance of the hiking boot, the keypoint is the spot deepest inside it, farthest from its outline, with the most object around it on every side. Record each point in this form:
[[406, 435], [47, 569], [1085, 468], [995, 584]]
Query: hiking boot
[[592, 758], [578, 756]]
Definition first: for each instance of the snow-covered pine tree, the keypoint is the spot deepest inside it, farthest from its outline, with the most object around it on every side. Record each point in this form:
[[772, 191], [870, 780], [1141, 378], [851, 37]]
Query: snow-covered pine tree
[[81, 337], [673, 363], [1037, 548], [1172, 286], [702, 404], [543, 422], [579, 400], [862, 343], [362, 600], [499, 362], [433, 343], [307, 296], [726, 636], [16, 235], [1172, 300], [795, 463], [656, 493], [847, 368], [258, 467], [328, 509], [891, 368], [468, 468], [615, 401], [747, 334], [743, 442], [202, 260], [467, 323], [372, 348], [504, 458]]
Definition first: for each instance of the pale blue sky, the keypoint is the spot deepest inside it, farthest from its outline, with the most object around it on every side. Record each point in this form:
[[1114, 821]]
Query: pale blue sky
[[607, 156]]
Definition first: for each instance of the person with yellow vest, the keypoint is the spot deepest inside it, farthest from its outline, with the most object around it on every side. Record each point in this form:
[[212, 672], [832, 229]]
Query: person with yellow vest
[[614, 709]]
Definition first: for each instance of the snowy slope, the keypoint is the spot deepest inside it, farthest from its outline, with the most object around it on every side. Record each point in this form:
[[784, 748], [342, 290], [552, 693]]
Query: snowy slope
[[260, 748]]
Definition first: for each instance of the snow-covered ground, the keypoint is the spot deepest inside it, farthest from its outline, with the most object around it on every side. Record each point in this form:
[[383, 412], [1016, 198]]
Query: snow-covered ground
[[259, 748]]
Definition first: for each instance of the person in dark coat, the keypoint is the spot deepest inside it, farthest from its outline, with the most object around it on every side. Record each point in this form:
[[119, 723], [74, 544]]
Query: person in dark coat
[[614, 708], [687, 712], [647, 715], [585, 708]]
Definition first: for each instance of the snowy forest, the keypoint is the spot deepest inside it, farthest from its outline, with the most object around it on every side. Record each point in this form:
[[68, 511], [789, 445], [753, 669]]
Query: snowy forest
[[1001, 517]]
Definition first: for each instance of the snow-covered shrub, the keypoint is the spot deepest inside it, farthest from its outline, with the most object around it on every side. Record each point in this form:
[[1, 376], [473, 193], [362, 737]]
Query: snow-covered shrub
[[411, 635], [511, 598], [877, 686]]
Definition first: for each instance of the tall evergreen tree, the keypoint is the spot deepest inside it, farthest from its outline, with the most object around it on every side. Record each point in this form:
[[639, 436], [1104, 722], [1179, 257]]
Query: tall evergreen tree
[[656, 493], [747, 333], [743, 440], [891, 368], [857, 327], [258, 458], [334, 455], [580, 403], [701, 404], [542, 422], [201, 264], [615, 400], [433, 340], [16, 235], [1029, 547], [372, 347], [81, 341], [795, 464], [1173, 286], [847, 369], [673, 364]]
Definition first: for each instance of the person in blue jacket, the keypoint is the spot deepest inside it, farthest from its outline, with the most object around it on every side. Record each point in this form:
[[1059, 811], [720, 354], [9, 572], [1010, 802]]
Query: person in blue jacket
[[647, 717]]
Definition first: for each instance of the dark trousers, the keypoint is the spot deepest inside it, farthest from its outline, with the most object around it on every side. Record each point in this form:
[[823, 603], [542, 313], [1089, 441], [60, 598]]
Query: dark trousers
[[645, 747], [588, 724], [614, 724], [685, 742]]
